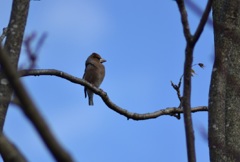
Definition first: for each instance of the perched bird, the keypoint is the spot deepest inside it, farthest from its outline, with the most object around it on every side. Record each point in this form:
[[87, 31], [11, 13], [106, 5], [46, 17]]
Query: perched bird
[[94, 73]]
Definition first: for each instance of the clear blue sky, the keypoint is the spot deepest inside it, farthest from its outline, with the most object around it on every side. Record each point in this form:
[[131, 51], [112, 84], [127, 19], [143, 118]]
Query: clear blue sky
[[143, 44]]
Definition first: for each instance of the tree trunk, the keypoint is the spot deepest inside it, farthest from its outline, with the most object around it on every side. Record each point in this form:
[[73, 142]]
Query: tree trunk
[[12, 45], [224, 95]]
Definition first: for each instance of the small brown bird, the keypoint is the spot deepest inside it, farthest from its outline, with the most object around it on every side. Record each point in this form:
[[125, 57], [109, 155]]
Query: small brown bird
[[94, 73]]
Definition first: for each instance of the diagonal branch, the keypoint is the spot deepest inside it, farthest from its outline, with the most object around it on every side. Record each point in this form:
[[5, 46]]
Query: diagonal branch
[[202, 22], [184, 19], [9, 152], [130, 115], [197, 10], [31, 111]]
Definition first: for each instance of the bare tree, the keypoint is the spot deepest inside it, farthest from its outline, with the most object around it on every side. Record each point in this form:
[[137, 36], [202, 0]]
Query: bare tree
[[224, 91]]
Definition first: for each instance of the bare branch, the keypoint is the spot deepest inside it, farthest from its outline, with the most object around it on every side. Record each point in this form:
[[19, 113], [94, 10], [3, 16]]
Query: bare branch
[[191, 41], [130, 115], [40, 42], [9, 152], [196, 9], [184, 19], [177, 88], [27, 42], [202, 22], [187, 103], [32, 53], [31, 111]]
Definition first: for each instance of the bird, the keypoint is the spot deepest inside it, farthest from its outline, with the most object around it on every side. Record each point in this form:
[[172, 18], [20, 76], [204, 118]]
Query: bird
[[94, 74]]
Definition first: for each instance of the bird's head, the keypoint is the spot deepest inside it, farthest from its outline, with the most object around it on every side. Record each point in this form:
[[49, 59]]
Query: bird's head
[[97, 57]]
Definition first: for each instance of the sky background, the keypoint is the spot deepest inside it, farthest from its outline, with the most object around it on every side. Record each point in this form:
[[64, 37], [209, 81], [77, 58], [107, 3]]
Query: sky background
[[143, 44]]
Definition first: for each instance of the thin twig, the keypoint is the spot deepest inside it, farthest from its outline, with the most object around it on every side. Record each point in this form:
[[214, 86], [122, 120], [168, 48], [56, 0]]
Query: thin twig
[[196, 9], [184, 20], [40, 42], [33, 54], [202, 22], [177, 88]]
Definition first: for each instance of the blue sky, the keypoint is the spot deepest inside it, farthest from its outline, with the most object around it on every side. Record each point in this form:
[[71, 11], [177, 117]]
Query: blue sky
[[143, 44]]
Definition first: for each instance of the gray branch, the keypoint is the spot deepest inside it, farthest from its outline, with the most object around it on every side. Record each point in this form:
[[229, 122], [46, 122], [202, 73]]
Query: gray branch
[[130, 115]]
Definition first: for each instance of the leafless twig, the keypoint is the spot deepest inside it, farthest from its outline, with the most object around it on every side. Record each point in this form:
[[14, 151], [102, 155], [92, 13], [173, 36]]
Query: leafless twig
[[196, 9], [177, 88], [32, 54]]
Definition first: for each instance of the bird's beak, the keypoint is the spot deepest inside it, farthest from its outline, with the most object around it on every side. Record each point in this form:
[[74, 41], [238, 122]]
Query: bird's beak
[[102, 60]]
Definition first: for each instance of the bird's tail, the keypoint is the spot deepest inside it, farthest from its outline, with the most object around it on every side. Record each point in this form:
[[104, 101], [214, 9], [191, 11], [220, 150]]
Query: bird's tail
[[90, 100], [90, 96]]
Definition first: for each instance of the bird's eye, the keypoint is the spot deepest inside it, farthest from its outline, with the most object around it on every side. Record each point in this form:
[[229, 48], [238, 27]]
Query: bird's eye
[[98, 58]]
